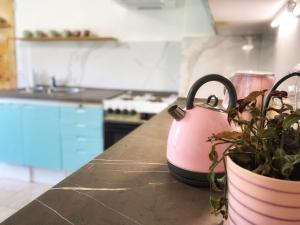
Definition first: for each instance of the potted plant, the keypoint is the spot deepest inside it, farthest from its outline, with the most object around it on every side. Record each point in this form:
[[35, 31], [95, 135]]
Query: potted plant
[[262, 163]]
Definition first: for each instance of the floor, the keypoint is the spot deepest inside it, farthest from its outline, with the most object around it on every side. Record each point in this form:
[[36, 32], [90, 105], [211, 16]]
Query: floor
[[15, 194]]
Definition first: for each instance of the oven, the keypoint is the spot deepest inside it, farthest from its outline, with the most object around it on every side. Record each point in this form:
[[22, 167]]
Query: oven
[[116, 130], [118, 124]]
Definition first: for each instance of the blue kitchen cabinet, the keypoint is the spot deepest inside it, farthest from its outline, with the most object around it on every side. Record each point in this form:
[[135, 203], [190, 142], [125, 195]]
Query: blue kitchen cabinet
[[41, 136], [11, 149], [82, 134], [50, 135]]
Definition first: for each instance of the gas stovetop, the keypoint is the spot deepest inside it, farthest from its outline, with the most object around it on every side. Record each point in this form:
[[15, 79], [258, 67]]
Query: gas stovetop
[[139, 102]]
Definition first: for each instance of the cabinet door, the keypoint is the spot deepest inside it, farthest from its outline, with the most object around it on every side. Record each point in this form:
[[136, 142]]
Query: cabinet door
[[11, 149], [41, 136]]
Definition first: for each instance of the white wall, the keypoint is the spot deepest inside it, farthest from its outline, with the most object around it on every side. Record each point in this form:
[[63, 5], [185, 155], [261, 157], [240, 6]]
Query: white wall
[[147, 56], [108, 17], [104, 17], [287, 46], [126, 65], [282, 50]]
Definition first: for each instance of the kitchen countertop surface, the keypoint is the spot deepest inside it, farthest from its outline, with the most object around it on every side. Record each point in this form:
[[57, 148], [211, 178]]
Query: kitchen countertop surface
[[128, 184], [88, 95]]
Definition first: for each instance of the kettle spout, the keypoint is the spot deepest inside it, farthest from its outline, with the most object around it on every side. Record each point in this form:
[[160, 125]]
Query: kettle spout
[[176, 112]]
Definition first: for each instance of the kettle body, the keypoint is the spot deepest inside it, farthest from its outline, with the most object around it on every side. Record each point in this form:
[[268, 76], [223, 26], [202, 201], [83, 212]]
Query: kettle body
[[188, 146]]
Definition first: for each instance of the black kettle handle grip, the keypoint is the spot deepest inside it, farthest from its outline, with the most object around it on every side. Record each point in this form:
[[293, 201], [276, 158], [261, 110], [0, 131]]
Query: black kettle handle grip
[[268, 98], [212, 77]]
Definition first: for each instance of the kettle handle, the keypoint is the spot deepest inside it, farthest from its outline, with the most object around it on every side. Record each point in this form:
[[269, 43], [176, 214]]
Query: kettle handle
[[212, 77], [268, 98]]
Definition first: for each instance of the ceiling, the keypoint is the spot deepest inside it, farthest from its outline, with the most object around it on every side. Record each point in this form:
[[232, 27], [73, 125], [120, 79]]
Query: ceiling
[[243, 16]]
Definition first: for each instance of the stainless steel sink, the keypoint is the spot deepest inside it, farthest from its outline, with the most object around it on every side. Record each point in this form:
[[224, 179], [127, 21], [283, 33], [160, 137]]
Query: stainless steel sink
[[52, 90], [39, 89], [68, 90]]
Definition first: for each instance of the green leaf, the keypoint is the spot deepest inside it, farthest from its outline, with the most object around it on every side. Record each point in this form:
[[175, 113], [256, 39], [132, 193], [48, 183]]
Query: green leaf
[[266, 169], [279, 94], [241, 158], [296, 159], [255, 112], [287, 169], [215, 203], [290, 120], [221, 182], [231, 115], [278, 163], [211, 178], [254, 95], [213, 155], [279, 152], [269, 132], [297, 112], [228, 135]]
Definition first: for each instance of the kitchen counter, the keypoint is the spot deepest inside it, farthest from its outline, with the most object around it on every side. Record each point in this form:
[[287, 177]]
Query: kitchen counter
[[128, 184], [89, 95]]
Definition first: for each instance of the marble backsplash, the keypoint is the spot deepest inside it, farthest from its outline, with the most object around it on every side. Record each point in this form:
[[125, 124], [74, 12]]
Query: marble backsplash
[[224, 55], [117, 65], [158, 65], [219, 54]]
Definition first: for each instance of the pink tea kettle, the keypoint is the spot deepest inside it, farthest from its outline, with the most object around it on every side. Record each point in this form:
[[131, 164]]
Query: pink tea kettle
[[188, 148], [246, 82]]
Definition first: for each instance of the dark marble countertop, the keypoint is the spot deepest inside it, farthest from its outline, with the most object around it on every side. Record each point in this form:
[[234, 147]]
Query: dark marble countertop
[[128, 184], [89, 95]]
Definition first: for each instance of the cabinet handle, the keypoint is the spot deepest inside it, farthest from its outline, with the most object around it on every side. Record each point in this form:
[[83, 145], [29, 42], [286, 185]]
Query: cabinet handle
[[80, 111], [80, 151], [80, 125], [81, 139]]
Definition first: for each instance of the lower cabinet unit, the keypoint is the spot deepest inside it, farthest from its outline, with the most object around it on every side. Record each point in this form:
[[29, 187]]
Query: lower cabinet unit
[[61, 136]]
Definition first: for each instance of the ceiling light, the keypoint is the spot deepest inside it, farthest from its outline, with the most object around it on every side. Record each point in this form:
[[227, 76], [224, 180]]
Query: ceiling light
[[249, 46], [281, 18]]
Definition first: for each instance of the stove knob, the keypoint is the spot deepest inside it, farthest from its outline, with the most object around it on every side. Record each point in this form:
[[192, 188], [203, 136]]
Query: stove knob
[[117, 111], [132, 112], [125, 112], [110, 110]]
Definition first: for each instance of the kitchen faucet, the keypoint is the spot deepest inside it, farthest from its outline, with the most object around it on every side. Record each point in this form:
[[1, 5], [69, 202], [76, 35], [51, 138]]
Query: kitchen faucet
[[53, 82]]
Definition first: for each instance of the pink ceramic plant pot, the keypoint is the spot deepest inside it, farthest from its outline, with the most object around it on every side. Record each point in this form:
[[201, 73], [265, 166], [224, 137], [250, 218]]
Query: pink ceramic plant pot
[[256, 199]]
